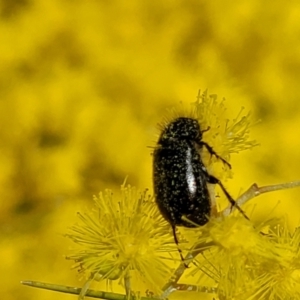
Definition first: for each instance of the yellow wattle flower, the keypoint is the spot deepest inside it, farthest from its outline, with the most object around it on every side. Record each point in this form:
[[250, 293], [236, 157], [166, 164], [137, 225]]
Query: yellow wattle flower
[[123, 237]]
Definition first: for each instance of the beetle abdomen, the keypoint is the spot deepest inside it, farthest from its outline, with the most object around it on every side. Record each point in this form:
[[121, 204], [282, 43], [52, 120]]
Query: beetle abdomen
[[179, 185]]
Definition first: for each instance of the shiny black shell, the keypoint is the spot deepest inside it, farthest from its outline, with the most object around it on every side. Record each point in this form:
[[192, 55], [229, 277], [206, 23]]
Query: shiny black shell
[[179, 175]]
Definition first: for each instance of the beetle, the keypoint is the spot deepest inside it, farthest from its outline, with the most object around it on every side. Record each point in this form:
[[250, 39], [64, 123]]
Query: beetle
[[180, 178]]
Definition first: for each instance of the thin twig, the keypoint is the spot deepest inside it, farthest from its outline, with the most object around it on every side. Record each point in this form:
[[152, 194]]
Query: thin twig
[[76, 291], [255, 191], [196, 288], [173, 285]]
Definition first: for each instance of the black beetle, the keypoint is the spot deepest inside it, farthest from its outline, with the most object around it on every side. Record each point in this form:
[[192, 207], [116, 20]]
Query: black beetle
[[180, 177]]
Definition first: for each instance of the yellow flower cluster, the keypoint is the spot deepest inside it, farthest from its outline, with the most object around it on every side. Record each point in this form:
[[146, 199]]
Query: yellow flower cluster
[[226, 136], [123, 237], [250, 263]]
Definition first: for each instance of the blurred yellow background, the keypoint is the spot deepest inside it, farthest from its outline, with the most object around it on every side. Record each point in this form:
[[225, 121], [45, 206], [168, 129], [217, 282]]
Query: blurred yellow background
[[83, 85]]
